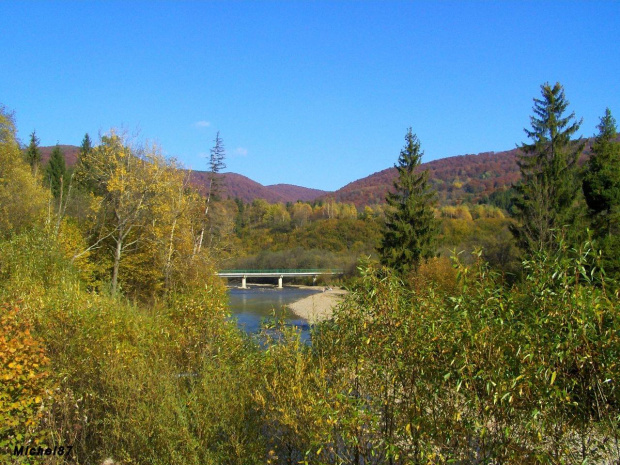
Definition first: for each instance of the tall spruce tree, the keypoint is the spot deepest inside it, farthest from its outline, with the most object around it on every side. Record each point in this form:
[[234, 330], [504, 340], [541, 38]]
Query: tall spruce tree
[[547, 197], [216, 164], [601, 184], [86, 146], [601, 188], [214, 184], [84, 167], [56, 171], [410, 226], [33, 154]]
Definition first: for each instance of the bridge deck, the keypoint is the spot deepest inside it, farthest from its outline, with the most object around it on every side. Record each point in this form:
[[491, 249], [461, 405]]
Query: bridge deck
[[244, 274], [276, 273]]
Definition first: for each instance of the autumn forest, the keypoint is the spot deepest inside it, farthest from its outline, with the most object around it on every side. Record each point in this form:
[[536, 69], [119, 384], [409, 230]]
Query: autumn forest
[[481, 323]]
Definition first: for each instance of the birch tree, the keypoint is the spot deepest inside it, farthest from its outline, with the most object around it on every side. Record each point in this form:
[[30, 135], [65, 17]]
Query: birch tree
[[121, 211]]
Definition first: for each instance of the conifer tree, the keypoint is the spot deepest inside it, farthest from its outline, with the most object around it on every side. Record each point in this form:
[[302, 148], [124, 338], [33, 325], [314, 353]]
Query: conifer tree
[[86, 146], [216, 164], [33, 154], [83, 175], [601, 188], [410, 225], [56, 170], [547, 196]]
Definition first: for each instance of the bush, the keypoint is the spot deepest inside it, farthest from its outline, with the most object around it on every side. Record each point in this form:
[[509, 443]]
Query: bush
[[453, 366], [26, 381], [136, 384], [527, 373]]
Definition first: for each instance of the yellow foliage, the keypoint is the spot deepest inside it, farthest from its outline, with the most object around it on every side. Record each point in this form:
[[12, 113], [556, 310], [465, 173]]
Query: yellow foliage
[[23, 377], [144, 218], [487, 211], [73, 246], [462, 213], [437, 272], [23, 202], [301, 213]]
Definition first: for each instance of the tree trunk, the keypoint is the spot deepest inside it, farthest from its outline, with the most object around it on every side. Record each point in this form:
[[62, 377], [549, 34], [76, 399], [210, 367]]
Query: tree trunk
[[168, 266], [117, 262], [204, 220]]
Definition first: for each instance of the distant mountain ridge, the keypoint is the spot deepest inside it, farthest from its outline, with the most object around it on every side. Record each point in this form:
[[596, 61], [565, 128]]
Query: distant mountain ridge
[[456, 179], [453, 178], [235, 185], [239, 186], [70, 151], [291, 191]]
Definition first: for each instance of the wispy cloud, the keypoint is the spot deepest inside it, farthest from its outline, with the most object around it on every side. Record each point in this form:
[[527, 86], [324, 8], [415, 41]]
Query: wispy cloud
[[241, 151], [202, 124]]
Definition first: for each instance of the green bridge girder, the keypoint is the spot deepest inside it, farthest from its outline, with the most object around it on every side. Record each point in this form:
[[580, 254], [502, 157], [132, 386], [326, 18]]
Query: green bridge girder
[[277, 273], [286, 271]]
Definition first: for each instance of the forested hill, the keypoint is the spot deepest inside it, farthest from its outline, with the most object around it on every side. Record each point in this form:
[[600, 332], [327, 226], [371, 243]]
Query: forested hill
[[459, 178], [456, 179], [295, 192], [70, 152], [238, 186], [235, 185]]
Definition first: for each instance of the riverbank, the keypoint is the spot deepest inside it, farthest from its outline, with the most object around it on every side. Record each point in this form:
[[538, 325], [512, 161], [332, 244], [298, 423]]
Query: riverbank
[[319, 306]]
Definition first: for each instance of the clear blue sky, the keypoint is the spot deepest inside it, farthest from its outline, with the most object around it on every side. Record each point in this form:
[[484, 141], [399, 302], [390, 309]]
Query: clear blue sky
[[316, 94]]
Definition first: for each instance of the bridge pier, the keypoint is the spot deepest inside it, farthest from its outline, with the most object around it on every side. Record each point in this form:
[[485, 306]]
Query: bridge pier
[[243, 274]]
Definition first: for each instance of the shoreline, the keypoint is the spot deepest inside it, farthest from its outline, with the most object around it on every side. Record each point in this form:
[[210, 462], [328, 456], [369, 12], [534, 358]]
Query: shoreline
[[313, 308], [319, 306]]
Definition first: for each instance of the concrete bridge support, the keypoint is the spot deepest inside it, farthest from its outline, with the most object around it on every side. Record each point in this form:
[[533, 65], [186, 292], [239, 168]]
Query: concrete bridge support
[[243, 274]]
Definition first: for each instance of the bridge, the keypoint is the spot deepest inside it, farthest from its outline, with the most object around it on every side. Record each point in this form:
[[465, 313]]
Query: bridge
[[279, 273]]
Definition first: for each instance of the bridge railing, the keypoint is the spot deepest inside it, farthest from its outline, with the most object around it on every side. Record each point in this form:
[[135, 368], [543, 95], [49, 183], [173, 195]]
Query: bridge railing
[[282, 270]]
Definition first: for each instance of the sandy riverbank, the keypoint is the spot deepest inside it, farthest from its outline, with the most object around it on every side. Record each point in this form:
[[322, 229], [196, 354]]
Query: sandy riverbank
[[319, 306]]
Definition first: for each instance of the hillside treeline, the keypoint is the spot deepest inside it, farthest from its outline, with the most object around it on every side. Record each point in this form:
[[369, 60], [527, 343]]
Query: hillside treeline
[[329, 234], [115, 341]]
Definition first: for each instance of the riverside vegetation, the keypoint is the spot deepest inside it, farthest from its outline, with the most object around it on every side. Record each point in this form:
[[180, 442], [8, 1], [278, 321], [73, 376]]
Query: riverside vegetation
[[115, 339]]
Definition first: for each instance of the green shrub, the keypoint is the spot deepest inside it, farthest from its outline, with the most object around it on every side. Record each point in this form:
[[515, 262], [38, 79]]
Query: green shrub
[[140, 385], [528, 373]]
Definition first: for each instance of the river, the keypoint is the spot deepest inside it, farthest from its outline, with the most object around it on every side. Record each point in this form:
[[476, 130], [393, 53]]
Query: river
[[251, 306]]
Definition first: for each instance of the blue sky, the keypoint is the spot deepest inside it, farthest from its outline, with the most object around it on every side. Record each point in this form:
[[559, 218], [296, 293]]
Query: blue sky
[[316, 94]]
